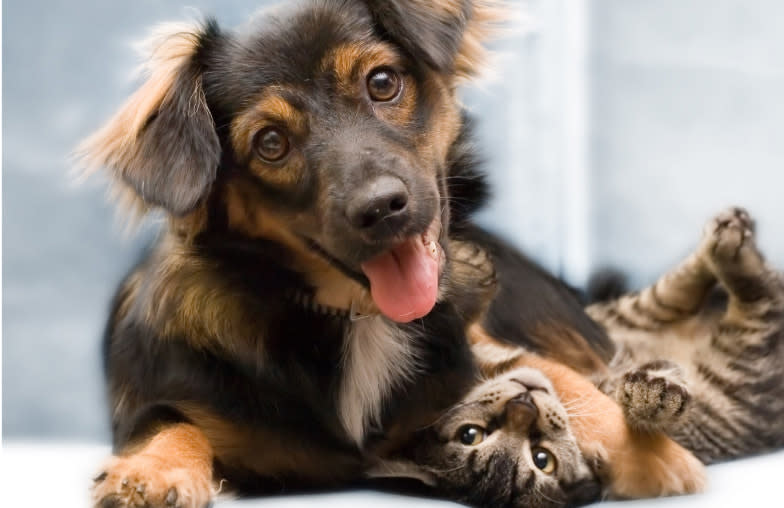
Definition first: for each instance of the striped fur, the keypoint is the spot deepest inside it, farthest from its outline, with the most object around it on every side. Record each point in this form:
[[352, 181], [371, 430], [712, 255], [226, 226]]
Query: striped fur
[[708, 371]]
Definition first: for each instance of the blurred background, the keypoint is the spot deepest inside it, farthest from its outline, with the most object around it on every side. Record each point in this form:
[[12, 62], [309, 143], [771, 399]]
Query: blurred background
[[613, 130]]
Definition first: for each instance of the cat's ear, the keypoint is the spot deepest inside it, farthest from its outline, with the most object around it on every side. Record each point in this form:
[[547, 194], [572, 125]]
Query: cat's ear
[[402, 469], [162, 145]]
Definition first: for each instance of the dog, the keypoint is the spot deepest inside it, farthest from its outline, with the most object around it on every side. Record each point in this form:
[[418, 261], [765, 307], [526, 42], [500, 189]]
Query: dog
[[301, 310]]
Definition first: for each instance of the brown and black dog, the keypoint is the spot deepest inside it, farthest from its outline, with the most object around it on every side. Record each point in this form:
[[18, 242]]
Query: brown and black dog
[[301, 308]]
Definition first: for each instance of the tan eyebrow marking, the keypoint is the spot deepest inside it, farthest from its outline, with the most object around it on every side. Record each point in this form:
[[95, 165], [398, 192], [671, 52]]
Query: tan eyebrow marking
[[271, 109], [351, 60]]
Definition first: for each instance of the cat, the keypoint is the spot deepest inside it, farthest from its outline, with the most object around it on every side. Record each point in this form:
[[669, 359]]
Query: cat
[[507, 443], [700, 354]]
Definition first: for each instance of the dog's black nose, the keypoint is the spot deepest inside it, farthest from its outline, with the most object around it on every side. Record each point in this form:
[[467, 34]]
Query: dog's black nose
[[382, 200]]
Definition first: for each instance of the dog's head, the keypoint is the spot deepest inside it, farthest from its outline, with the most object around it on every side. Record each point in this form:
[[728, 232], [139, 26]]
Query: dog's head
[[326, 129]]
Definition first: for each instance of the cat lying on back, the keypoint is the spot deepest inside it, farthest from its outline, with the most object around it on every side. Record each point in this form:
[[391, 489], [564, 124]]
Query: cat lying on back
[[704, 366], [689, 373]]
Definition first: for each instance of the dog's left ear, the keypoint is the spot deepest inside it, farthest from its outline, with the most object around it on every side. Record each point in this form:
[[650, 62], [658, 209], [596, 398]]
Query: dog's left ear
[[446, 34], [162, 145]]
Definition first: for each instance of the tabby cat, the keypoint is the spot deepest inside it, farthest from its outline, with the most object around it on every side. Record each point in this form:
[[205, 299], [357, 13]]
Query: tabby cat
[[507, 443], [690, 368], [700, 353]]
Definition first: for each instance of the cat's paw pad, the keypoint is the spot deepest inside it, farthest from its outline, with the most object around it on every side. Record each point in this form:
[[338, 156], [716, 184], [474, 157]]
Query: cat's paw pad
[[727, 234], [653, 396], [473, 262], [145, 481]]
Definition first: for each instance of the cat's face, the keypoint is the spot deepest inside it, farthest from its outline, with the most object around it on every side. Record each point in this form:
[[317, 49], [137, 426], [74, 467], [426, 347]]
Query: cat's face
[[507, 443]]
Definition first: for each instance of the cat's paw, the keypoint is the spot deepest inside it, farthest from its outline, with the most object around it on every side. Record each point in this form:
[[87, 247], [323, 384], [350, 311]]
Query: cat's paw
[[147, 481], [472, 262], [472, 282], [728, 235], [653, 396]]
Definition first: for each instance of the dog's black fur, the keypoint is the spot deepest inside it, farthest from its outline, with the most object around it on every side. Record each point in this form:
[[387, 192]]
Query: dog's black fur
[[222, 326]]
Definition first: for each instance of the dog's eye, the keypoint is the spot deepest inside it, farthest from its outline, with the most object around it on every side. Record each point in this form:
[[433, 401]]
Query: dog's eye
[[471, 435], [383, 84], [271, 144], [543, 459]]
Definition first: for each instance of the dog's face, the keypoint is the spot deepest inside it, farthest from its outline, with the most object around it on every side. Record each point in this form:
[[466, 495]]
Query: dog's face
[[326, 129]]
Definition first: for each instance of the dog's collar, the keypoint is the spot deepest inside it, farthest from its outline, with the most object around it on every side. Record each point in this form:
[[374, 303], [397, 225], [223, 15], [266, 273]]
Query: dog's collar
[[307, 300]]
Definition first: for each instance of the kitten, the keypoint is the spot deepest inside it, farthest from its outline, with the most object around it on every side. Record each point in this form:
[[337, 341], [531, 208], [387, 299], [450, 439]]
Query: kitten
[[707, 371], [507, 443]]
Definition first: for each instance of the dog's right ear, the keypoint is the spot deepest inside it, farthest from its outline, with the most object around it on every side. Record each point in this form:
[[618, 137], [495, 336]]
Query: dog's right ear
[[448, 35], [162, 142]]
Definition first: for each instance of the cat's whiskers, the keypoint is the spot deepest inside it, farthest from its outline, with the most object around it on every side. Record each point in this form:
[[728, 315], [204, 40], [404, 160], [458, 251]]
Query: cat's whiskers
[[452, 470], [538, 492]]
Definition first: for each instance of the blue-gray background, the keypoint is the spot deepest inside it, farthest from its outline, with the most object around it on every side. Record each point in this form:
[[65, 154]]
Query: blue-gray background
[[613, 130]]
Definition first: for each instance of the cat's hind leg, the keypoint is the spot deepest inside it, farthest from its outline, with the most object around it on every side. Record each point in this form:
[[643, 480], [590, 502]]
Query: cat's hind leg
[[740, 404], [675, 296], [730, 251]]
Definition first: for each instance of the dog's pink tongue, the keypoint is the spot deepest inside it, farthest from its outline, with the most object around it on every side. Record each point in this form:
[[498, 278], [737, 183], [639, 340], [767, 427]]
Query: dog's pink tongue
[[404, 281]]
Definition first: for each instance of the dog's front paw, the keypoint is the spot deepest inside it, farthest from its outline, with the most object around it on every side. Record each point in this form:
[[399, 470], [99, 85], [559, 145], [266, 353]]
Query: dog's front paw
[[149, 481], [653, 396]]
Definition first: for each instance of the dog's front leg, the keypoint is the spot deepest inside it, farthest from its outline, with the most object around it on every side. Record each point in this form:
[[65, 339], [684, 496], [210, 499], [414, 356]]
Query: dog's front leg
[[171, 469]]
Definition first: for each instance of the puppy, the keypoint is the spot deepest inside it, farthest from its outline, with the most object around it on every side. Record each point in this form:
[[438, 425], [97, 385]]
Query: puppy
[[300, 307]]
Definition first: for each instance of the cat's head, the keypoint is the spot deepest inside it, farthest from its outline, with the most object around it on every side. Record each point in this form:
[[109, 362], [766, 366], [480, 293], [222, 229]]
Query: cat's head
[[507, 443]]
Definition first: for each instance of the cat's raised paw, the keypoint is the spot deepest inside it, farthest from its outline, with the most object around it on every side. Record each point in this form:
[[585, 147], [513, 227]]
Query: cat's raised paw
[[727, 234], [653, 396]]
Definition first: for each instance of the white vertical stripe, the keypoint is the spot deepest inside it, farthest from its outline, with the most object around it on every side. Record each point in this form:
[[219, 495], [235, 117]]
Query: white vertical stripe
[[576, 244]]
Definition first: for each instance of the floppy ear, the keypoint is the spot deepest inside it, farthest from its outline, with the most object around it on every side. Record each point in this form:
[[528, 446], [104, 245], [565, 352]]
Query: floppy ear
[[446, 34], [162, 142]]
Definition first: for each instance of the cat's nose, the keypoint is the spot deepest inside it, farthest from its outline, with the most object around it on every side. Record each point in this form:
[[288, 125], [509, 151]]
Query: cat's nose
[[521, 412]]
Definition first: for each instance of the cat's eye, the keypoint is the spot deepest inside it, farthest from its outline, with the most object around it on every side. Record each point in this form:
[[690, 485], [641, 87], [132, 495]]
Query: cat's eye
[[543, 460], [271, 144], [384, 84], [471, 435]]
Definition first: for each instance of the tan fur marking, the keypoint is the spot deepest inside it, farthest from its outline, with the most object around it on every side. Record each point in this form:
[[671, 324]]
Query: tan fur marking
[[487, 18], [186, 298], [570, 348], [353, 61], [266, 452], [434, 144], [177, 458], [345, 61], [448, 8], [271, 110]]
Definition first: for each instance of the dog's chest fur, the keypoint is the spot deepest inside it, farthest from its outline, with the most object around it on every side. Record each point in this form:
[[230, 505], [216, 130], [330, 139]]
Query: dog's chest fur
[[377, 356]]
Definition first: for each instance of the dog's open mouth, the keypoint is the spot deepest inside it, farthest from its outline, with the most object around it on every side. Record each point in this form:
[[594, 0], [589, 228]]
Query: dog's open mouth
[[404, 279]]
